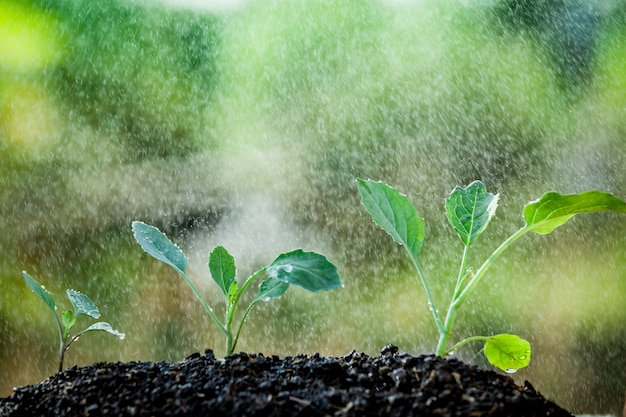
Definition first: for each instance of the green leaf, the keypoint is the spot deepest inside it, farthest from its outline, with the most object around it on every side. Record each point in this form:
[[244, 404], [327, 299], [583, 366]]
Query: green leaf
[[40, 291], [271, 288], [507, 352], [308, 270], [394, 213], [68, 319], [552, 209], [102, 327], [157, 245], [222, 267], [470, 209], [82, 304]]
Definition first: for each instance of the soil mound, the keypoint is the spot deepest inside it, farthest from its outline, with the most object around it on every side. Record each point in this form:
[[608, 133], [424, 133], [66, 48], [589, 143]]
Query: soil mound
[[391, 384]]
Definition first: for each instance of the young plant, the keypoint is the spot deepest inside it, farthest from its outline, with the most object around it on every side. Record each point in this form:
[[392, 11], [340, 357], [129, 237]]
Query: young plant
[[82, 306], [469, 211], [308, 270]]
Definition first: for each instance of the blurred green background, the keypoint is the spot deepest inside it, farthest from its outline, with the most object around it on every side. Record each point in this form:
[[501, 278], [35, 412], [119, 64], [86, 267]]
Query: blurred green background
[[246, 123]]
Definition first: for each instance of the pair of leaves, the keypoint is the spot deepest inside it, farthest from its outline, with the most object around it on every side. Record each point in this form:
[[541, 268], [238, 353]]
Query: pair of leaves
[[82, 305], [308, 270], [469, 211]]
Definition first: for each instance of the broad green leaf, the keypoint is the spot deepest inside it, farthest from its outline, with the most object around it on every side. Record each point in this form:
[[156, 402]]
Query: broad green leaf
[[40, 291], [68, 318], [507, 352], [82, 304], [308, 270], [222, 267], [102, 327], [394, 213], [157, 245], [470, 209], [271, 288], [552, 209]]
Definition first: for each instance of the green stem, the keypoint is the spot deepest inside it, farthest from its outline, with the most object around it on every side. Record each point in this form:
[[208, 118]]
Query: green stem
[[444, 334], [462, 272], [61, 340], [461, 295], [207, 308], [245, 314], [485, 266], [230, 343], [431, 300], [464, 342]]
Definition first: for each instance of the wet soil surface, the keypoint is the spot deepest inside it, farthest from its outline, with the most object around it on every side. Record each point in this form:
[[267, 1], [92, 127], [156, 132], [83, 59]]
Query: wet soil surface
[[390, 384]]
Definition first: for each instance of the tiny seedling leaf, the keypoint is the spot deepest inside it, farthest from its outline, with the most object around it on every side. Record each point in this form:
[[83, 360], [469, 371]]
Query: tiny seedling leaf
[[271, 288], [222, 267], [507, 352], [553, 209], [394, 213], [82, 304], [470, 209], [157, 245], [102, 327], [308, 270], [232, 292], [68, 319], [40, 291]]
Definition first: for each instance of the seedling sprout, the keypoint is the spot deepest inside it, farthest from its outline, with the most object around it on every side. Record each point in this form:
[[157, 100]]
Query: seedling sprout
[[469, 211], [308, 270], [83, 306]]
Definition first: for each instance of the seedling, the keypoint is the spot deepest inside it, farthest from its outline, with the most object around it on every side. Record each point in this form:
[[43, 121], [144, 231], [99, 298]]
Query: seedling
[[469, 210], [308, 270], [82, 306]]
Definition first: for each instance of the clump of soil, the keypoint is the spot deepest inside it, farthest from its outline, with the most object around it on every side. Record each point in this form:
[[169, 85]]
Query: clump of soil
[[390, 384]]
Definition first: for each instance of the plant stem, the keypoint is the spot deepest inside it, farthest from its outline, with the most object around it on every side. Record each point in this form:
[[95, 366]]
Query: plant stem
[[444, 335], [431, 300], [446, 330], [460, 297], [62, 356], [464, 342], [230, 343], [485, 266], [462, 272], [61, 340], [207, 308], [245, 314]]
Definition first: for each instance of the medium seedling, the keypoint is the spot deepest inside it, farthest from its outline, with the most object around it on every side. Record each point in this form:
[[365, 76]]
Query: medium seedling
[[82, 305], [469, 210], [308, 270]]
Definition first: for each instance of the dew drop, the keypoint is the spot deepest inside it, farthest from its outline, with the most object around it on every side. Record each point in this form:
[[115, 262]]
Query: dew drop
[[510, 371]]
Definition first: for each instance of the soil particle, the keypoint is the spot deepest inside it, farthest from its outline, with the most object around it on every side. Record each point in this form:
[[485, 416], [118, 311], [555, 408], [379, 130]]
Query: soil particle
[[390, 384]]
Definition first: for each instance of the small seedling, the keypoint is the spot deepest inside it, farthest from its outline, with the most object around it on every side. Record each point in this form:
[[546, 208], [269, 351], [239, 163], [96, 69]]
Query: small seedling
[[82, 306], [308, 270], [469, 210]]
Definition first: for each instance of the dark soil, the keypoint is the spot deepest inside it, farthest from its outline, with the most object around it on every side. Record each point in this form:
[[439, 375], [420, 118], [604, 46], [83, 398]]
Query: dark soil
[[390, 384]]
